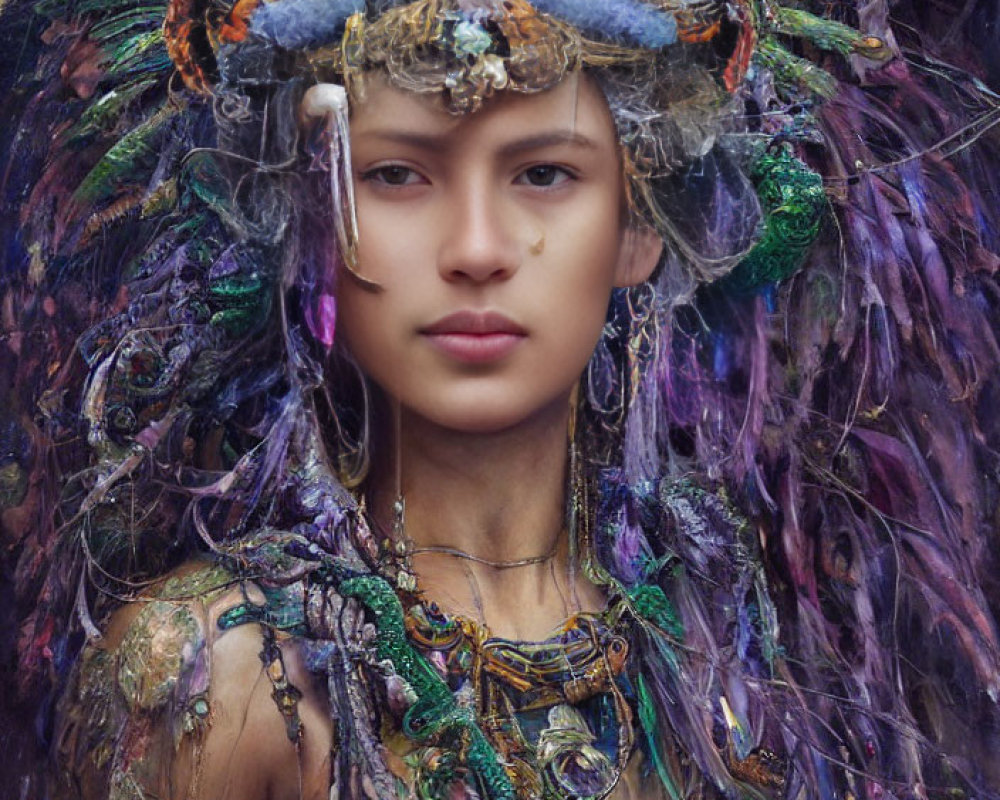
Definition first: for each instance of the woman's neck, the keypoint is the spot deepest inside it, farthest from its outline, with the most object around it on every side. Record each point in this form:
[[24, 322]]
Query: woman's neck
[[497, 497]]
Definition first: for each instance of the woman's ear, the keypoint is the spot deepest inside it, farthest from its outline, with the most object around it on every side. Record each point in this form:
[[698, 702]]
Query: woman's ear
[[640, 252]]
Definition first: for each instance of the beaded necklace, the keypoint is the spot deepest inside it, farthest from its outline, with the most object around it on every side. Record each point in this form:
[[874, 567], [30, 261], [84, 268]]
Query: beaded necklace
[[558, 712]]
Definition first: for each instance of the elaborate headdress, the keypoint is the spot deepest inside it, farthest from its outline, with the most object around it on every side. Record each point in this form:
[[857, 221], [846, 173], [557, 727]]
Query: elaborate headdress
[[675, 69]]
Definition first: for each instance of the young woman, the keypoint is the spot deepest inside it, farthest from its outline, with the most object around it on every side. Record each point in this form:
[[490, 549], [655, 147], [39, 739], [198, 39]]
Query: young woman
[[398, 484]]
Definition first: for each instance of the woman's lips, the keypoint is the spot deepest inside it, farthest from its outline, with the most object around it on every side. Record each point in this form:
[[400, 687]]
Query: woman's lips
[[475, 337], [475, 348]]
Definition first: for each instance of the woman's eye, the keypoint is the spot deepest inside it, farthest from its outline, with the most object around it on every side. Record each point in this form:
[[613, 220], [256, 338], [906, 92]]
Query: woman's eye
[[544, 175], [392, 175]]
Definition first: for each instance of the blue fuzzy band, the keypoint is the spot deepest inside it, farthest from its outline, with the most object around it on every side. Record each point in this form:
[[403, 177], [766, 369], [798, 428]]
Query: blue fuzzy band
[[626, 21], [298, 24]]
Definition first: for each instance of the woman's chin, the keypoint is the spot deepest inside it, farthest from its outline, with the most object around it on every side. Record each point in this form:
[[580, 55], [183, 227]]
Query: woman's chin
[[488, 416]]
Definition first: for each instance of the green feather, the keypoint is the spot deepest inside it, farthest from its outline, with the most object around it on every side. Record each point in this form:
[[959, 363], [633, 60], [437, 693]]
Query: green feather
[[129, 159], [112, 6], [652, 604], [104, 113], [144, 52], [648, 723], [202, 181], [68, 8], [238, 291], [826, 34], [244, 303], [146, 17], [792, 72]]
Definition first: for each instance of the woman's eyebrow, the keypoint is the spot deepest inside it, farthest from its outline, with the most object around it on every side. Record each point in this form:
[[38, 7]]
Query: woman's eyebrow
[[547, 139], [438, 142]]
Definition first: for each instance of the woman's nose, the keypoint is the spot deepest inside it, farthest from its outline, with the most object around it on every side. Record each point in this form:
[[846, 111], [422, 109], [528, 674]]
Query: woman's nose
[[480, 242]]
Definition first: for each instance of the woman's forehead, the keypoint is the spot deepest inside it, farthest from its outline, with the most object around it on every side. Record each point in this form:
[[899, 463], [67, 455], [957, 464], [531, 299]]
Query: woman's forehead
[[573, 113]]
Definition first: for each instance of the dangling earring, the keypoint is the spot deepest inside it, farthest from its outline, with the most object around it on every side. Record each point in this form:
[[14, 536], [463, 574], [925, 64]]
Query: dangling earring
[[329, 102], [353, 458]]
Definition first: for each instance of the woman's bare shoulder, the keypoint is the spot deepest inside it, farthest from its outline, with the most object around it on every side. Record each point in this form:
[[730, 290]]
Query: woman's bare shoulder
[[180, 699]]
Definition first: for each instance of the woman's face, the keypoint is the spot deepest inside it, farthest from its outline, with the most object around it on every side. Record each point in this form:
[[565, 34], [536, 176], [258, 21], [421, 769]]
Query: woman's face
[[496, 238]]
